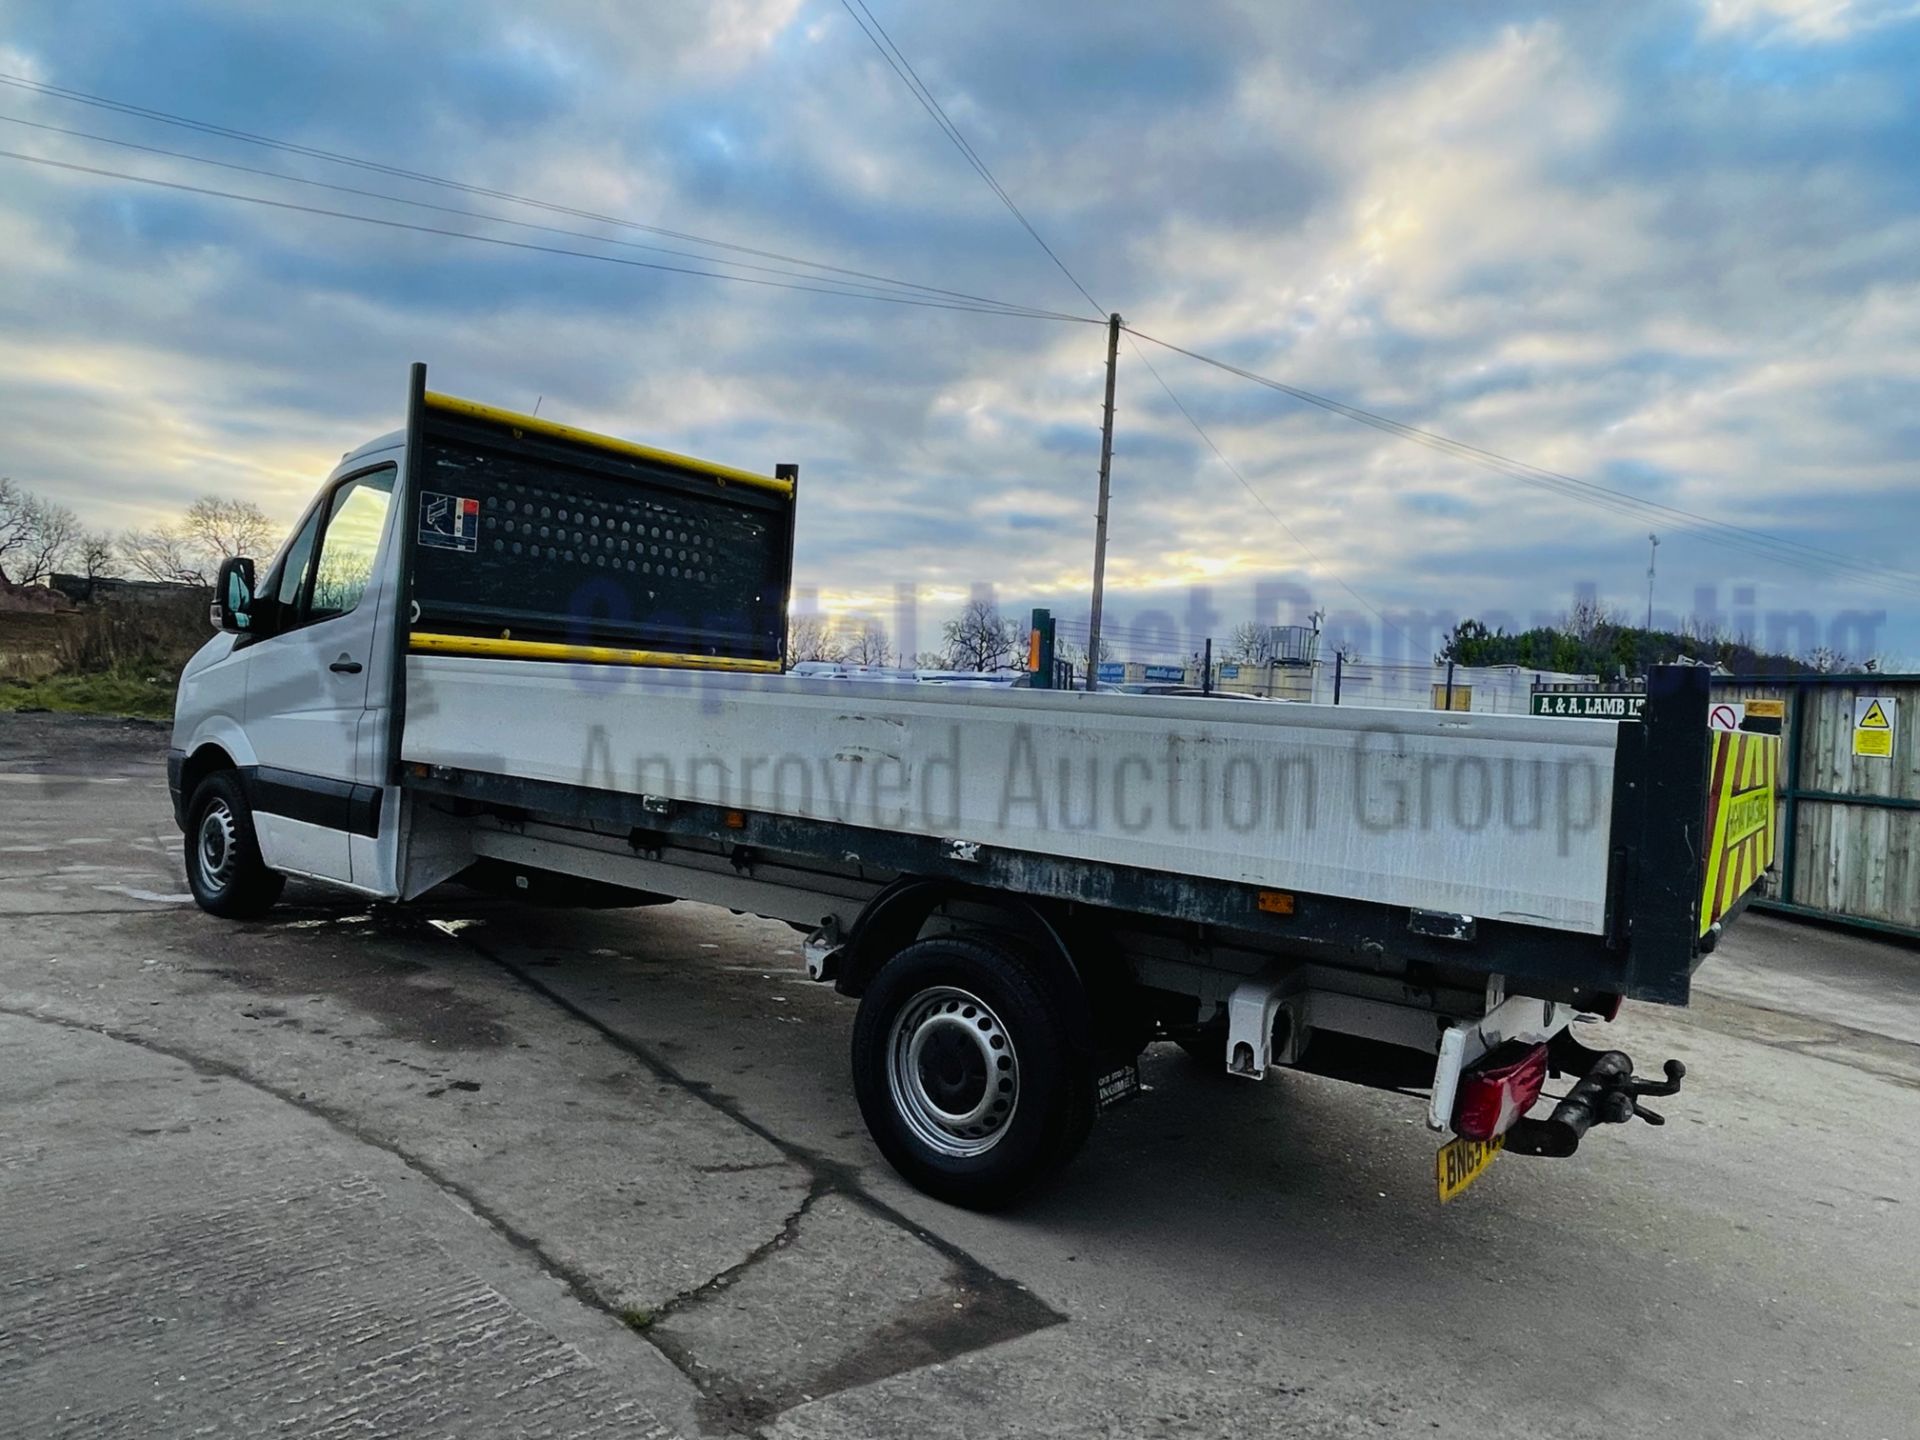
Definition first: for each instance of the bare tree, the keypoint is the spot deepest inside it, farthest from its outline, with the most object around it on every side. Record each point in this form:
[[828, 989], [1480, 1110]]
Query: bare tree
[[979, 638], [865, 643], [35, 534], [1824, 660], [93, 555], [16, 522], [164, 553], [226, 528], [810, 637], [55, 532], [189, 551], [1075, 654], [1589, 617], [1250, 644]]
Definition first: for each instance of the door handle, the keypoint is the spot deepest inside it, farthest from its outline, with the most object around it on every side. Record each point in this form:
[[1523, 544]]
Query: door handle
[[345, 665]]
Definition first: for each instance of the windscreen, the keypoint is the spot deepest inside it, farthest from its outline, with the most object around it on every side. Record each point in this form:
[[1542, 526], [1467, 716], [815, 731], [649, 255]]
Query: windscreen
[[532, 536]]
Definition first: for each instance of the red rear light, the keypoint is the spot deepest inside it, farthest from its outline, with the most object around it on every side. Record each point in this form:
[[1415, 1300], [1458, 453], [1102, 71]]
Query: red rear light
[[1499, 1090]]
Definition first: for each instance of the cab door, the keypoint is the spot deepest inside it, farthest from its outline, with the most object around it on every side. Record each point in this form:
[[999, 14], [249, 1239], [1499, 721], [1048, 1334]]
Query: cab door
[[307, 682]]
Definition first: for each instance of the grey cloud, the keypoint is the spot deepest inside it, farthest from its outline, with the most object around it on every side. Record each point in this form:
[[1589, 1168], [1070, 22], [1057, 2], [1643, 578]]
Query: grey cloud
[[1530, 235]]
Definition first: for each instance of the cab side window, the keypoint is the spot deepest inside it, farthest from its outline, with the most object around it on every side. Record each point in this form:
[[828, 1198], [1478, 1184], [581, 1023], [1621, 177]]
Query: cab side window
[[328, 563], [356, 516], [291, 576]]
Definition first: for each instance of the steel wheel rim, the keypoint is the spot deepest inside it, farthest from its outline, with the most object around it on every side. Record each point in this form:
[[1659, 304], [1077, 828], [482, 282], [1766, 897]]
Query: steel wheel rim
[[214, 845], [953, 1072]]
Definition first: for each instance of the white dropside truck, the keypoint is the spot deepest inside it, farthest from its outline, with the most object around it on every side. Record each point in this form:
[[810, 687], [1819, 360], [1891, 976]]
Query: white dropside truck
[[505, 651]]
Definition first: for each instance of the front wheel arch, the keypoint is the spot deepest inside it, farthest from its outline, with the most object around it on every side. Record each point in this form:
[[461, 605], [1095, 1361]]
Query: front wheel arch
[[208, 757]]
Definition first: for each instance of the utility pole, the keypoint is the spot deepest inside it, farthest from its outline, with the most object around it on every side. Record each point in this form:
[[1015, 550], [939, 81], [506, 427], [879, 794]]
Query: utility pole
[[1653, 544], [1100, 515]]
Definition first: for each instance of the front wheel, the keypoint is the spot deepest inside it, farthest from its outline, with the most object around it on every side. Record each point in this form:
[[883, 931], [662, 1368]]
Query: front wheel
[[224, 869], [966, 1072]]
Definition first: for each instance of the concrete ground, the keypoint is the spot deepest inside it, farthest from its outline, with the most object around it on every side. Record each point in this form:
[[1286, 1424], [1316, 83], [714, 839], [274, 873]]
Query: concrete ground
[[472, 1170]]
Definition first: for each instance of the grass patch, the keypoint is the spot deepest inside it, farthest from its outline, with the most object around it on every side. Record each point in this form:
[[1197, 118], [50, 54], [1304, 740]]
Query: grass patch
[[144, 697], [636, 1318], [118, 656]]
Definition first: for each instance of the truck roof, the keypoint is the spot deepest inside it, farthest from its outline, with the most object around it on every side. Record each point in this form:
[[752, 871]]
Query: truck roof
[[392, 440]]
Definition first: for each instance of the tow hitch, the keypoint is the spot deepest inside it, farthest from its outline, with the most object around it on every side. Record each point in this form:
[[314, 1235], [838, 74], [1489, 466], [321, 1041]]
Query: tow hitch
[[1607, 1093]]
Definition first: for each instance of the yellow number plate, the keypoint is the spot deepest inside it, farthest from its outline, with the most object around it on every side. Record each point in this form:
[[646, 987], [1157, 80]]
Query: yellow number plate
[[1460, 1162]]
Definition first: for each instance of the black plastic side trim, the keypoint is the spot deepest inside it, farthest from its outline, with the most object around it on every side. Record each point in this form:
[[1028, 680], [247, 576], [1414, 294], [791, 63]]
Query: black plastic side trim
[[313, 799], [176, 768]]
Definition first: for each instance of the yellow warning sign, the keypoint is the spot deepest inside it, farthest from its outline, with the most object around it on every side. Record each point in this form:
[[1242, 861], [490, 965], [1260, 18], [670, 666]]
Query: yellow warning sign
[[1873, 717]]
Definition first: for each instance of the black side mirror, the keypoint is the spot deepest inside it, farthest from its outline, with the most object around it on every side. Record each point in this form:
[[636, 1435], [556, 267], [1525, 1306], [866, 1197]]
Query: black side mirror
[[232, 607]]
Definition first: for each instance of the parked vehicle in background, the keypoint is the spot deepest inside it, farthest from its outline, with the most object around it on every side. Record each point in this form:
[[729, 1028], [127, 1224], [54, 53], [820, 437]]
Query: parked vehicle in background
[[1190, 691]]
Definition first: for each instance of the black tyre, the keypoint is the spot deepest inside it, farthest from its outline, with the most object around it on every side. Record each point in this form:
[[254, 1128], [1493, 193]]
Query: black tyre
[[224, 869], [966, 1071]]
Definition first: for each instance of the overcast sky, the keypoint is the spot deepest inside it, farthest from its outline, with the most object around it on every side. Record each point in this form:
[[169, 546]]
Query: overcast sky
[[1673, 249]]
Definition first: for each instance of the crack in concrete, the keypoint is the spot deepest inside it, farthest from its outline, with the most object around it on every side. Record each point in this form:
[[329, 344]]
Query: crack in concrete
[[738, 1167], [727, 1403], [826, 1172], [731, 1404], [788, 1232], [577, 1284]]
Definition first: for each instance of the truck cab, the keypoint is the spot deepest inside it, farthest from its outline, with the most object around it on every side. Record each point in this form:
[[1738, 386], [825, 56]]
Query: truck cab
[[288, 699]]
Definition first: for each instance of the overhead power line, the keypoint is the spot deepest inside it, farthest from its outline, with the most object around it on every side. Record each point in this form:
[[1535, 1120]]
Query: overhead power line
[[390, 197], [910, 77], [226, 132], [526, 245], [891, 53], [1742, 538], [1754, 542], [1258, 498], [1739, 537]]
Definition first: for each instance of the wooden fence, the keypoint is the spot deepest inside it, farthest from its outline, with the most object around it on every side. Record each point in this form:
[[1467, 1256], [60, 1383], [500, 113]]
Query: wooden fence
[[1849, 822]]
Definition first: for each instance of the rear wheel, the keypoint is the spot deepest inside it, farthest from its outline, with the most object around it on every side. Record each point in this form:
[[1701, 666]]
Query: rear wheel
[[966, 1072], [224, 868]]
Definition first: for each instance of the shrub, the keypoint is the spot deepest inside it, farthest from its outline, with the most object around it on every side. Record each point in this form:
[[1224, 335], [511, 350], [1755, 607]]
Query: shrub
[[150, 635]]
